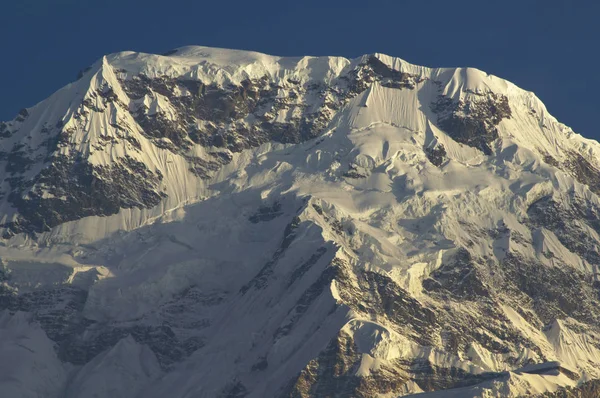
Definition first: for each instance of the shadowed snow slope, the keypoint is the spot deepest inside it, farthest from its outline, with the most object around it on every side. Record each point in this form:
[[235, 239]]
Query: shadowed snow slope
[[220, 223]]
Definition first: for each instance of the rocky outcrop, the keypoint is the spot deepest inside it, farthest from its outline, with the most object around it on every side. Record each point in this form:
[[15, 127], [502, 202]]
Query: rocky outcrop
[[333, 374], [436, 154], [72, 189], [572, 222], [472, 121]]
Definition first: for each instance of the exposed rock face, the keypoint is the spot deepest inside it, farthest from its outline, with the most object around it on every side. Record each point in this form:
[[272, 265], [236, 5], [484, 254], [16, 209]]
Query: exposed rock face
[[573, 223], [583, 171], [243, 116], [473, 121], [554, 292], [333, 374], [68, 190], [256, 226], [580, 168], [436, 155]]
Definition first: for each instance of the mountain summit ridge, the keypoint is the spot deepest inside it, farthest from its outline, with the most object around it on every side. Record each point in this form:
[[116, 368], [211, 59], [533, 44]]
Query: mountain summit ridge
[[99, 119], [301, 226]]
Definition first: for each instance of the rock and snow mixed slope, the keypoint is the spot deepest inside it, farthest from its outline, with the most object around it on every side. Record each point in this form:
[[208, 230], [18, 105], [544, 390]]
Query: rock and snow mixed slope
[[219, 223]]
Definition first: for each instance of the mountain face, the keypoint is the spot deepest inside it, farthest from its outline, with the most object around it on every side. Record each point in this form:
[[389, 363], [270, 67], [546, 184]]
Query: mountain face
[[219, 223]]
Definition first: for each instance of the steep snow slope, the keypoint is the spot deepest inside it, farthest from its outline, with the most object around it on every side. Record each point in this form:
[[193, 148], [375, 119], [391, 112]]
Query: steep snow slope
[[308, 226], [120, 372], [29, 365]]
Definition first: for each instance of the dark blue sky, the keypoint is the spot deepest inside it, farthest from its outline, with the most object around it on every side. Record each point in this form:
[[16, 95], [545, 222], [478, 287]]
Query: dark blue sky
[[546, 46]]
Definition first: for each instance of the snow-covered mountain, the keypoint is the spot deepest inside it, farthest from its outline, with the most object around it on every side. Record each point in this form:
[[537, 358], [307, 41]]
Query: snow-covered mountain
[[220, 223]]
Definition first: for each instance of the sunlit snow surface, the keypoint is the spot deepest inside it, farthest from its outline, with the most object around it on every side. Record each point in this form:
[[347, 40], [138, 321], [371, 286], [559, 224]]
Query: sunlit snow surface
[[404, 218]]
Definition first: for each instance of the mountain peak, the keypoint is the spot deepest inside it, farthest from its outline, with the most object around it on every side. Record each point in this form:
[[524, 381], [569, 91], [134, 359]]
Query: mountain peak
[[300, 226], [136, 114]]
